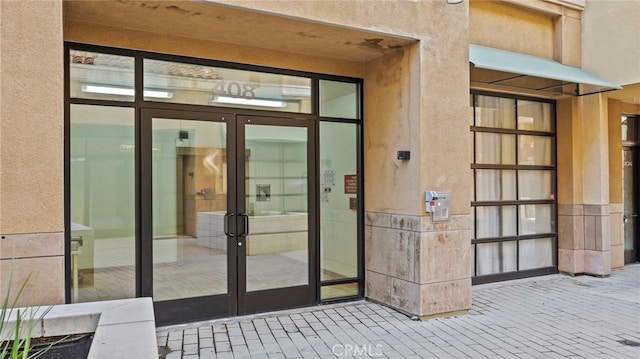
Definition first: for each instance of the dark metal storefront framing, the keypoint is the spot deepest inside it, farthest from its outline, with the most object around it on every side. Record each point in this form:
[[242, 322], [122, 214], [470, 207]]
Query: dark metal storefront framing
[[475, 204], [143, 266]]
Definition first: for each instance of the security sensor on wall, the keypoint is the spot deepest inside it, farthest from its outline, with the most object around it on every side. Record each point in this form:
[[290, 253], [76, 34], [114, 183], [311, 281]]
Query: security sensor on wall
[[454, 1]]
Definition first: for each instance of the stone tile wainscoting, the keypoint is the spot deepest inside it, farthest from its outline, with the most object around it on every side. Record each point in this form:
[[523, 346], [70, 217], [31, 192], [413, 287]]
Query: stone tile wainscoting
[[418, 266], [584, 239]]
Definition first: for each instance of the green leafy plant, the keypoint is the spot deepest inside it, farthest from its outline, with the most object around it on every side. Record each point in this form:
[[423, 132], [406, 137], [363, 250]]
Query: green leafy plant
[[20, 328]]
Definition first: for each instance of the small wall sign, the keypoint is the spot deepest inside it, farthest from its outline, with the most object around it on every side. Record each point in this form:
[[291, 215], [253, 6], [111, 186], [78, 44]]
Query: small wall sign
[[350, 184], [353, 203]]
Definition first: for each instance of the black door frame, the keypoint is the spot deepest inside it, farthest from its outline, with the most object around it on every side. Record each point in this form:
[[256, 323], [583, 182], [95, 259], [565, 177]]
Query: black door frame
[[143, 278], [195, 308], [237, 301], [287, 297]]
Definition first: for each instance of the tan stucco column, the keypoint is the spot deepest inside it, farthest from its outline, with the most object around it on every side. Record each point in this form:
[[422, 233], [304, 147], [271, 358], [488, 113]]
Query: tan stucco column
[[584, 238], [31, 149], [417, 99]]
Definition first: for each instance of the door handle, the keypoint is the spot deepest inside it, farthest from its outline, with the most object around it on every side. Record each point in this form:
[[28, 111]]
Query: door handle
[[627, 216], [226, 224], [245, 222]]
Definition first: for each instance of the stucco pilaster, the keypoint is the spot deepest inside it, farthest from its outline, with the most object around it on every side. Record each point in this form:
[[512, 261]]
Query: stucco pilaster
[[413, 103], [31, 148], [584, 212]]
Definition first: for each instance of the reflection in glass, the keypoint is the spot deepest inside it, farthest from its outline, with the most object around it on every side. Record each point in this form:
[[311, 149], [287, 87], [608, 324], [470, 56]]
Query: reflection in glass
[[339, 99], [495, 221], [101, 76], [473, 260], [536, 218], [630, 198], [338, 201], [496, 257], [495, 148], [189, 203], [102, 193], [629, 129], [495, 185], [536, 253], [338, 291], [471, 110], [535, 185], [495, 112], [534, 116], [276, 201], [534, 150], [218, 86]]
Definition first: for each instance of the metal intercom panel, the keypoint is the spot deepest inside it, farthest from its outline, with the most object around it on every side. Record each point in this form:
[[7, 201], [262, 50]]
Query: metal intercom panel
[[438, 203]]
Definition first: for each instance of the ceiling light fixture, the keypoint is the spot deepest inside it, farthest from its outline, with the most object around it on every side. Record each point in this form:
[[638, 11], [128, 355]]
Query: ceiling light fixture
[[125, 91], [249, 102]]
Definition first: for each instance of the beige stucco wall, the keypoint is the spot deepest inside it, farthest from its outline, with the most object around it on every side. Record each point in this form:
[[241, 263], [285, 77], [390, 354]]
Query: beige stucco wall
[[31, 148], [411, 102], [147, 41], [540, 28], [416, 98], [612, 40], [421, 103]]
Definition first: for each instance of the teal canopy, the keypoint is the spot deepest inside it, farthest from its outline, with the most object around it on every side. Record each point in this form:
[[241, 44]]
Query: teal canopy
[[500, 68]]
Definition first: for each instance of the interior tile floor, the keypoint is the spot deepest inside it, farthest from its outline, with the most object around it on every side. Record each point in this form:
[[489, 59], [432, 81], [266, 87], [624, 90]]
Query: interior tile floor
[[193, 271]]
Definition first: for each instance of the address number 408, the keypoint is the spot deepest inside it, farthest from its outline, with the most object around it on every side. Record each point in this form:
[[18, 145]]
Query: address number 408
[[234, 89]]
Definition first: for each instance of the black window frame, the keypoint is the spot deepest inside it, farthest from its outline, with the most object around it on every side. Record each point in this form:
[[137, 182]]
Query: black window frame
[[139, 103], [475, 279]]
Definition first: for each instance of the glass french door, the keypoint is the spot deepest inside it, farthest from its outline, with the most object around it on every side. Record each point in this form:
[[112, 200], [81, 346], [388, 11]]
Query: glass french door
[[187, 261], [225, 214], [276, 224]]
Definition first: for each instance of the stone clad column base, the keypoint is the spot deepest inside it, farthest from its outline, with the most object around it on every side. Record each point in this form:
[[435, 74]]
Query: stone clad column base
[[40, 256], [584, 239], [416, 266]]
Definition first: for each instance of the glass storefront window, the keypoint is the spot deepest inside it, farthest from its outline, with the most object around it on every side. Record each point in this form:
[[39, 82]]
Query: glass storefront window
[[495, 148], [495, 112], [102, 203], [536, 253], [536, 218], [495, 221], [339, 99], [189, 202], [177, 82], [534, 150], [338, 201], [496, 257], [137, 142], [515, 181], [534, 116], [101, 76], [495, 185], [276, 199], [534, 185]]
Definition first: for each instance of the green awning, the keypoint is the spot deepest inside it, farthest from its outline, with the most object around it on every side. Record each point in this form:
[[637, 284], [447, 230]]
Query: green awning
[[506, 69]]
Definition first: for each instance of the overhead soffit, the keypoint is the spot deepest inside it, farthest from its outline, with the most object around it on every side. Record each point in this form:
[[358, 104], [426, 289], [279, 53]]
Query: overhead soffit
[[214, 22], [510, 70]]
